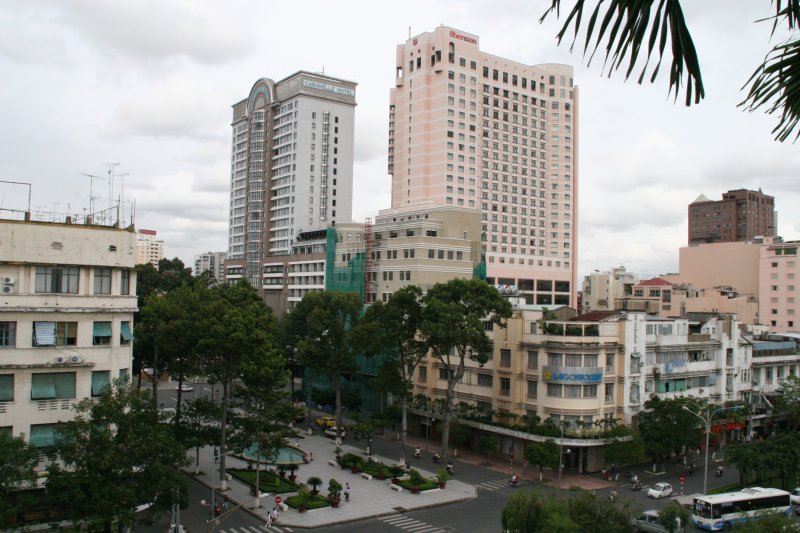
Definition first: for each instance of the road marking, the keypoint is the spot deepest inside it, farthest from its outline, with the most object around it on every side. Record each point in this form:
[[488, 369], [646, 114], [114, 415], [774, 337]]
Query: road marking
[[497, 484], [255, 529], [410, 524]]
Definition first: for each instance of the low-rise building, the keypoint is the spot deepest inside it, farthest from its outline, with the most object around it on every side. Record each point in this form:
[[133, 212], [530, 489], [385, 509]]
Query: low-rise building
[[66, 320]]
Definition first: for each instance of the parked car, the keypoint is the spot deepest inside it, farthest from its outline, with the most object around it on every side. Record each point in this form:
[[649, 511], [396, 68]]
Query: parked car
[[184, 388], [331, 432], [794, 496], [326, 421], [648, 522], [660, 490]]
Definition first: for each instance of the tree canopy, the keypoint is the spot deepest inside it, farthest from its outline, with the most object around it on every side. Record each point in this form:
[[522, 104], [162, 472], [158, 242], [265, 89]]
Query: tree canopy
[[627, 30], [581, 512]]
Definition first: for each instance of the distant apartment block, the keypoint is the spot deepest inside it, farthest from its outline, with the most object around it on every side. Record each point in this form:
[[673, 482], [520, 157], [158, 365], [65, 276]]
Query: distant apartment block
[[601, 289], [741, 215], [66, 320], [291, 167], [474, 130], [213, 262], [148, 248]]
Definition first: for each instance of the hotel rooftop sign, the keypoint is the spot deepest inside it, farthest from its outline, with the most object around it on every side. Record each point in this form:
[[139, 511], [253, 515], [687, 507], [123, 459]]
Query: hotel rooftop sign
[[328, 87]]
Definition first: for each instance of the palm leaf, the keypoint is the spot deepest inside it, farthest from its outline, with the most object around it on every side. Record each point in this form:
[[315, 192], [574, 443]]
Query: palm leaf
[[624, 25]]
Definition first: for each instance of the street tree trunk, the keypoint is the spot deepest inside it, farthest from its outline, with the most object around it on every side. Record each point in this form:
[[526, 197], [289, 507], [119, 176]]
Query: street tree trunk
[[337, 387], [223, 480]]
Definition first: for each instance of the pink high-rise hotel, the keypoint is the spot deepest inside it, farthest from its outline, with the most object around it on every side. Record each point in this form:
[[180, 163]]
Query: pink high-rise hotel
[[475, 130]]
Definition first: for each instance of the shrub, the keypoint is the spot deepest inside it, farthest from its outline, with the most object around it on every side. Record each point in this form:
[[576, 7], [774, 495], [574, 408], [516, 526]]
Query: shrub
[[334, 489]]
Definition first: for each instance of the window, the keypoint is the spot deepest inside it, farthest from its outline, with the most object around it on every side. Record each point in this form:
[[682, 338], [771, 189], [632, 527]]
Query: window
[[55, 333], [505, 358], [8, 334], [123, 374], [554, 359], [609, 393], [533, 360], [43, 435], [554, 390], [57, 280], [484, 380], [505, 386], [590, 391], [53, 386], [533, 388], [573, 391], [443, 373], [125, 282], [101, 336], [102, 281], [573, 360], [590, 361], [125, 335], [6, 387], [100, 381], [423, 374]]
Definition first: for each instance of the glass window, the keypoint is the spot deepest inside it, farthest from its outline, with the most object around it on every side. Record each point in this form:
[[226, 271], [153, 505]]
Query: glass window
[[554, 359], [125, 334], [554, 390], [589, 360], [53, 386], [102, 281], [123, 374], [505, 358], [533, 360], [485, 380], [100, 381], [609, 392], [125, 282], [43, 435], [573, 391], [533, 389], [57, 280], [8, 334], [505, 386], [590, 391], [6, 387], [101, 335], [573, 360]]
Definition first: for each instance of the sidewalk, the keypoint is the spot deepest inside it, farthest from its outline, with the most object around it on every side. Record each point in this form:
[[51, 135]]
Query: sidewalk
[[368, 498]]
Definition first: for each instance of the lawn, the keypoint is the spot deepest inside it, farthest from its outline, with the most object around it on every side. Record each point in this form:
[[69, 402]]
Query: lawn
[[315, 501], [268, 482]]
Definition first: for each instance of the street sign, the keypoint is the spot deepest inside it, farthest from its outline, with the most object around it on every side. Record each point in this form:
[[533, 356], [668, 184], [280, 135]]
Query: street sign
[[682, 479], [278, 500]]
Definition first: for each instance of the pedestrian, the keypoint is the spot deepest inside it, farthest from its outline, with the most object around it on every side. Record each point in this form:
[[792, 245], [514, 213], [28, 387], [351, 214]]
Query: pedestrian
[[269, 520], [310, 456], [274, 515], [225, 503], [347, 492]]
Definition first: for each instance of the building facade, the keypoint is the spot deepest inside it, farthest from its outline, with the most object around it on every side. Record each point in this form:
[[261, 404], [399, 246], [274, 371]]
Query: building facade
[[779, 273], [213, 262], [470, 129], [149, 249], [601, 289], [291, 166], [741, 215], [66, 320]]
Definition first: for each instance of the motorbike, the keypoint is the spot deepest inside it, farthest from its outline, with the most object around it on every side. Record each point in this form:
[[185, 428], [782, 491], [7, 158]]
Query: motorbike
[[417, 453], [636, 485], [437, 458], [449, 468], [513, 482]]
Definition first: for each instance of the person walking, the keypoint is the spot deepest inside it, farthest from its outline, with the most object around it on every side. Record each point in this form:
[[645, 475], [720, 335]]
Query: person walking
[[347, 492], [269, 519], [274, 515]]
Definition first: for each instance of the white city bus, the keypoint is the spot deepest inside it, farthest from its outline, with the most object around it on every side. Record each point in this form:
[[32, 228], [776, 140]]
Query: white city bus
[[721, 511]]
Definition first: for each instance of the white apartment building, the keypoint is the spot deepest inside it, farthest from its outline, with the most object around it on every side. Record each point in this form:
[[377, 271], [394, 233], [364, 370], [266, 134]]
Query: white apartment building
[[149, 249], [66, 320], [602, 289], [291, 167], [471, 129], [213, 262]]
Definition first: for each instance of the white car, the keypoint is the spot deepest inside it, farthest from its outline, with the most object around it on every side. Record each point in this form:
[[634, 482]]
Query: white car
[[794, 496], [185, 388], [331, 432], [660, 490]]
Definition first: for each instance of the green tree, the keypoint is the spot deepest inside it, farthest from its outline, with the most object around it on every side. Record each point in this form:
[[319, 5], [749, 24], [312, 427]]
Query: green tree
[[17, 464], [236, 326], [770, 523], [543, 454], [319, 328], [788, 403], [669, 513], [666, 427], [487, 445], [532, 512], [390, 331], [628, 28], [453, 328], [199, 426], [624, 447], [115, 454]]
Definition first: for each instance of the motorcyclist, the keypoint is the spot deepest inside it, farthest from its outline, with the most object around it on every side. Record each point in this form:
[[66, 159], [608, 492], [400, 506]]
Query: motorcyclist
[[417, 452], [449, 467], [437, 457], [514, 479]]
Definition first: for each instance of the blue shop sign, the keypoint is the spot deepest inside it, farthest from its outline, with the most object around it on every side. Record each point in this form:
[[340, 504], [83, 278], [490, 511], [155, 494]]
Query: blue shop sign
[[578, 376]]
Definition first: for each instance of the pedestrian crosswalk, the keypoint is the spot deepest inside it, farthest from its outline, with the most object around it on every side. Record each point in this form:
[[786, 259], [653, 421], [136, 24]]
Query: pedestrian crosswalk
[[497, 484], [411, 525], [256, 529]]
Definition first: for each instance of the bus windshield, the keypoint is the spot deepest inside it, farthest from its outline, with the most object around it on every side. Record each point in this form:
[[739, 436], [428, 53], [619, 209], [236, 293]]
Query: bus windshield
[[702, 508]]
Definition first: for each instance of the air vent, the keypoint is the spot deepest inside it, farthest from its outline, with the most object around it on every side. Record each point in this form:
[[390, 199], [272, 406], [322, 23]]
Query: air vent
[[56, 246], [112, 248]]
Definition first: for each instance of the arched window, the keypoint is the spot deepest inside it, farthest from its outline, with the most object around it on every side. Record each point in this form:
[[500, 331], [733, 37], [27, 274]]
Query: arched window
[[451, 53]]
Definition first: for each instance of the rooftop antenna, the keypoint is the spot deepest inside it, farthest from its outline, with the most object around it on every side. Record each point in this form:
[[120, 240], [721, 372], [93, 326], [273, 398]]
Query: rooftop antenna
[[409, 32], [111, 169], [91, 197], [122, 194]]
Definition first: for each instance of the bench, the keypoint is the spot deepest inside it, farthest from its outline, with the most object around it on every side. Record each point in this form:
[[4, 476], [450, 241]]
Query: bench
[[332, 462], [366, 476], [395, 486]]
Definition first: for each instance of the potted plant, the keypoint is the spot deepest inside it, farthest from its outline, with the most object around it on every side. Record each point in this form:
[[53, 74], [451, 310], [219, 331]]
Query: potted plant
[[315, 482], [416, 480], [356, 466], [292, 469], [334, 492], [338, 452], [395, 472], [282, 471], [303, 496], [441, 477]]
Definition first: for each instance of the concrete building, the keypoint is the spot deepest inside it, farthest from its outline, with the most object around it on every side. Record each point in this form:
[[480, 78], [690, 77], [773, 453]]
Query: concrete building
[[148, 248], [66, 320], [474, 130], [779, 273], [741, 215], [291, 167], [214, 262], [602, 289]]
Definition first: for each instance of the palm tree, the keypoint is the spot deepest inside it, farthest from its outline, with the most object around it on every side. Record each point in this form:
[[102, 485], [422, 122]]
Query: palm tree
[[629, 27]]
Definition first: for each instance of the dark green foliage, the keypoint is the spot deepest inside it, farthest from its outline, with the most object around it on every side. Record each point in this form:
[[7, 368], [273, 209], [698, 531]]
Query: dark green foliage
[[268, 481], [671, 511], [17, 463]]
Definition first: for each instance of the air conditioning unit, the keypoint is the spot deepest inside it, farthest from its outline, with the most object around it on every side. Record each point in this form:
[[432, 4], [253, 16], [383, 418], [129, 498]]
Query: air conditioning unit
[[8, 289], [75, 359], [61, 359], [8, 280]]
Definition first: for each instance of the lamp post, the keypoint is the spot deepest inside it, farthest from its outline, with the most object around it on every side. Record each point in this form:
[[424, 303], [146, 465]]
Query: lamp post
[[561, 456], [707, 422]]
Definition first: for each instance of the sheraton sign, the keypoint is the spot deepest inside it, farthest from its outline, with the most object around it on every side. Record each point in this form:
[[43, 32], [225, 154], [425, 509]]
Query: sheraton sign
[[465, 38]]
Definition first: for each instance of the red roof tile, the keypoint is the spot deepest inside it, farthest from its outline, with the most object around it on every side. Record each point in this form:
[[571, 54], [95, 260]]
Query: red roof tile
[[655, 281]]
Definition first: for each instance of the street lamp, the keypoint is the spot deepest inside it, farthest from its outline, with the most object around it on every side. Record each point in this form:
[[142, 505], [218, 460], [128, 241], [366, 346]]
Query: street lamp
[[707, 422], [561, 456]]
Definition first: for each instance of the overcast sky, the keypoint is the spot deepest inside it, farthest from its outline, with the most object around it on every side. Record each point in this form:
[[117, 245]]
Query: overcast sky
[[149, 84]]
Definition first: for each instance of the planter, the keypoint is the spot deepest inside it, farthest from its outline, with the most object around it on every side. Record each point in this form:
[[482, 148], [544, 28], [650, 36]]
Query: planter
[[301, 509], [355, 470], [381, 476], [442, 484], [292, 478], [414, 490], [335, 503]]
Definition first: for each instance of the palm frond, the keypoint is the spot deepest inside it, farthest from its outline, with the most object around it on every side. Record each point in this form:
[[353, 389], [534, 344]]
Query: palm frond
[[775, 85], [626, 25]]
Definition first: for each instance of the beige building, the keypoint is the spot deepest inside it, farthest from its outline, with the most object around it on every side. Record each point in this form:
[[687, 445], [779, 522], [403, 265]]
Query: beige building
[[66, 320], [148, 248], [474, 130], [602, 289]]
